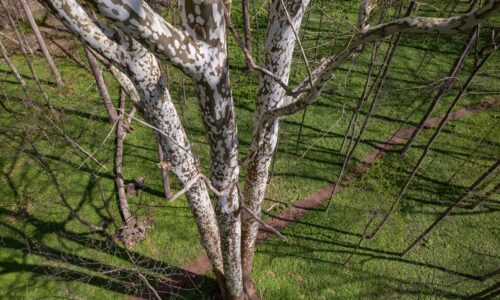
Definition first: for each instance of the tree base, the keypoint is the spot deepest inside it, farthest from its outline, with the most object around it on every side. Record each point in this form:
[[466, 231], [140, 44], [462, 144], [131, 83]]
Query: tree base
[[251, 292], [132, 233]]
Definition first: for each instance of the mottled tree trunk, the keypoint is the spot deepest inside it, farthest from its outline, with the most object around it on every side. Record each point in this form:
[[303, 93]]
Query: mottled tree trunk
[[142, 75], [279, 48], [199, 49], [217, 110]]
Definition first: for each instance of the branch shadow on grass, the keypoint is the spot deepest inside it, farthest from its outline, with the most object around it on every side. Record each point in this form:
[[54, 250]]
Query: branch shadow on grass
[[43, 261]]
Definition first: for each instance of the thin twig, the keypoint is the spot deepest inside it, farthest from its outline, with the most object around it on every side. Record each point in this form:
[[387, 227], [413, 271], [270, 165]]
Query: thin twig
[[297, 38], [289, 91], [250, 212]]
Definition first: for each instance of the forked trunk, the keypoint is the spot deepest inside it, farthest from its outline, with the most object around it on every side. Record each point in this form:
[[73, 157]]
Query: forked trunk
[[142, 75], [199, 49]]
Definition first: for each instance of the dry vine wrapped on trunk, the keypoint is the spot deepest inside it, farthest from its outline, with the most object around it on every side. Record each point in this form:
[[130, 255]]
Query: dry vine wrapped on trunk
[[132, 230]]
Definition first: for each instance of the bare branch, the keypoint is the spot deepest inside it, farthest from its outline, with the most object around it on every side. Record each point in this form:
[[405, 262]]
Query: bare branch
[[253, 65], [11, 65], [41, 42], [103, 89], [329, 66]]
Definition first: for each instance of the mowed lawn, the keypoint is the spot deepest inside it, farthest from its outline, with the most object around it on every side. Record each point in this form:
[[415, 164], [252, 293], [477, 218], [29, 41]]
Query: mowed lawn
[[47, 253]]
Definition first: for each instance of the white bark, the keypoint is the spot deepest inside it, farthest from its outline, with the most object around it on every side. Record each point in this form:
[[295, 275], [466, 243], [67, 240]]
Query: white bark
[[200, 51], [327, 68], [141, 69], [279, 48]]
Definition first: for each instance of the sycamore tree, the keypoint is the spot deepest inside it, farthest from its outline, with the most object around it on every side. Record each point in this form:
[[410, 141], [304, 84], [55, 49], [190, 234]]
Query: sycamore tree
[[134, 40]]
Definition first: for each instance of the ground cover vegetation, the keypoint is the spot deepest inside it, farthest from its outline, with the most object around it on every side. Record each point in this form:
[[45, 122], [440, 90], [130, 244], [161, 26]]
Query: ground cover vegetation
[[47, 177]]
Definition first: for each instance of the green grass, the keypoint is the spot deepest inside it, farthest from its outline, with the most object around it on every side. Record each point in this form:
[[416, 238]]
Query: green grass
[[45, 253], [310, 264]]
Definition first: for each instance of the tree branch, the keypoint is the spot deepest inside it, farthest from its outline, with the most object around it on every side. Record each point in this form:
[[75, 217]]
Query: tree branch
[[182, 48], [327, 68]]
